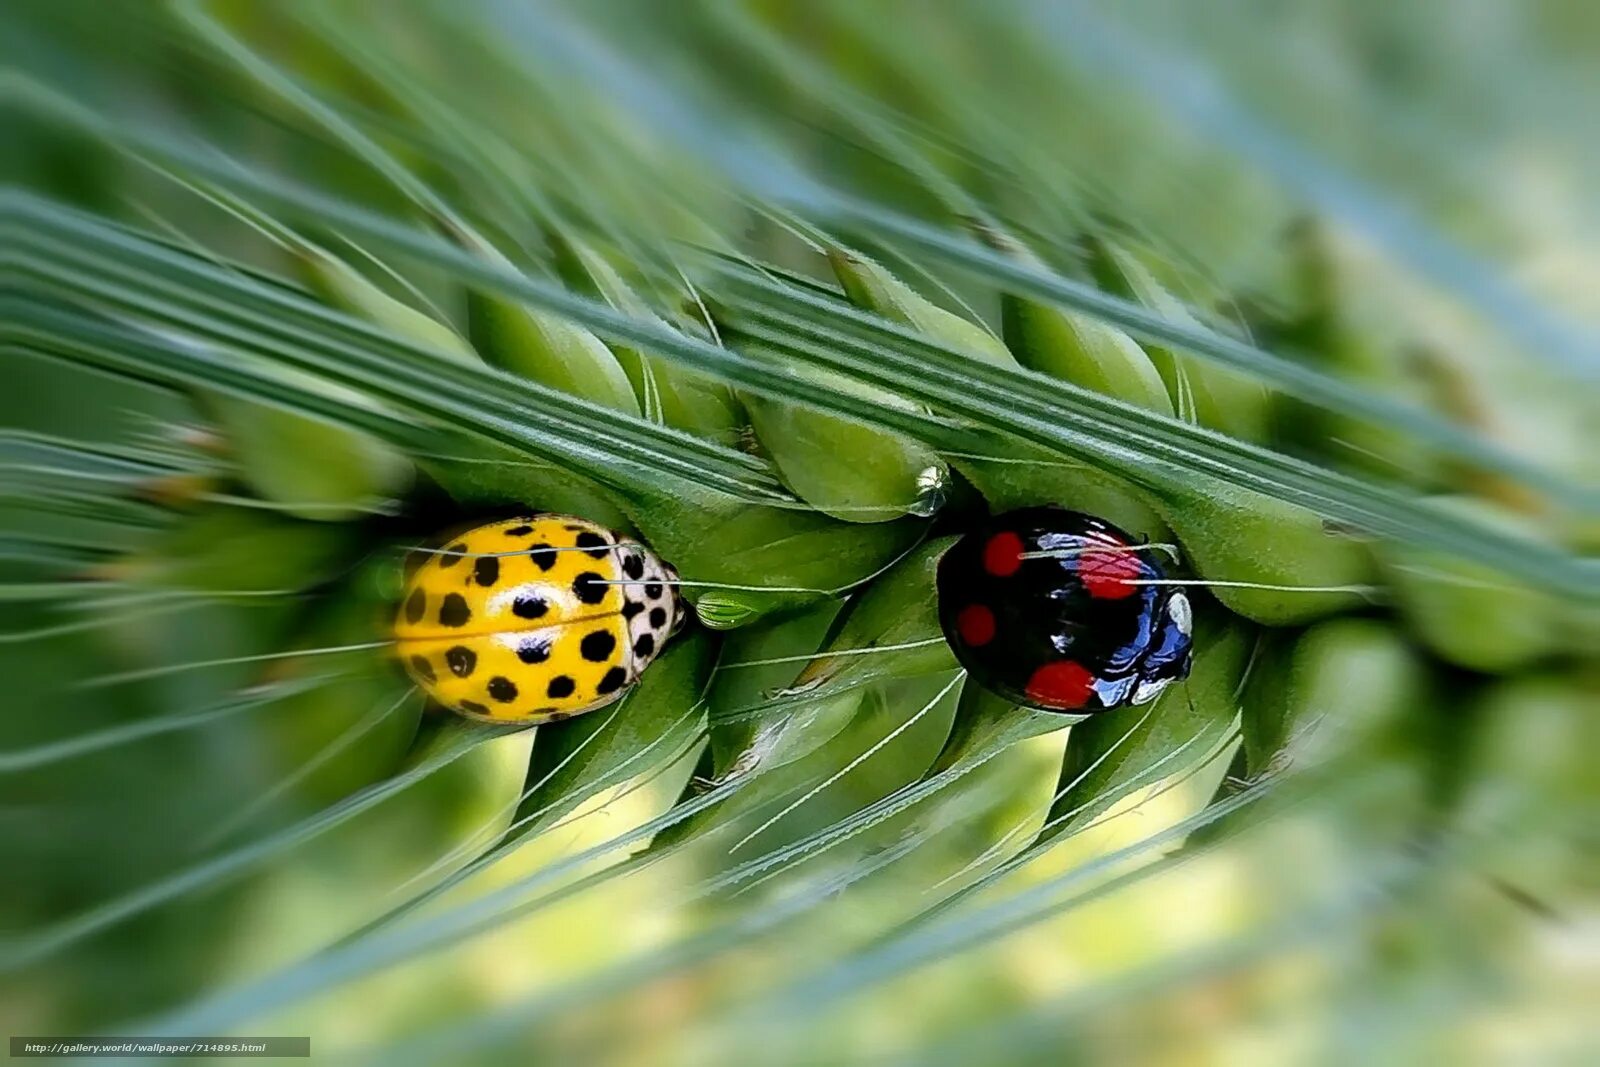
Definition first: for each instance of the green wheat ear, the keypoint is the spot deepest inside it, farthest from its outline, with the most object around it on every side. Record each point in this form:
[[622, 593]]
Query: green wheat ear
[[795, 296]]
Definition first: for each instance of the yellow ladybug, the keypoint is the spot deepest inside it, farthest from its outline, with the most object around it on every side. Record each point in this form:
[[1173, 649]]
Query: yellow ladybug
[[535, 619]]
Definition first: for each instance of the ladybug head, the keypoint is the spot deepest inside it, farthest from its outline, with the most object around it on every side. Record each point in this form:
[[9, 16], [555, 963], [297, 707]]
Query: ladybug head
[[1172, 651]]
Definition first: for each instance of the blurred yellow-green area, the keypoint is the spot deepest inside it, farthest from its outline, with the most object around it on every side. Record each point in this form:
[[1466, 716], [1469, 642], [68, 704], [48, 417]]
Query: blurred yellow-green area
[[796, 293]]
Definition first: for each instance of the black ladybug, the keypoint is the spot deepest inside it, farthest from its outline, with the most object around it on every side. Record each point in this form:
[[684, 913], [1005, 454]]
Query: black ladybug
[[1053, 609]]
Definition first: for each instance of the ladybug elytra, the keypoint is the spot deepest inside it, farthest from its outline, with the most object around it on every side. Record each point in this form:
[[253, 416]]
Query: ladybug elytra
[[535, 619], [1062, 611]]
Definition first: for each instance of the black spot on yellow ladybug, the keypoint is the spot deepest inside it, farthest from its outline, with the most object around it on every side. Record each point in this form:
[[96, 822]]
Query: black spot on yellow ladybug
[[527, 606], [416, 605], [598, 645], [595, 546], [612, 681], [460, 659], [589, 587], [454, 611]]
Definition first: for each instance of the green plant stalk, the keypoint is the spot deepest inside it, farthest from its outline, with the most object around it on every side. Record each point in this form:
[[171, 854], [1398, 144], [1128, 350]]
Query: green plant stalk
[[846, 469], [681, 398], [1019, 475], [741, 561], [1472, 615], [1232, 535], [1222, 399]]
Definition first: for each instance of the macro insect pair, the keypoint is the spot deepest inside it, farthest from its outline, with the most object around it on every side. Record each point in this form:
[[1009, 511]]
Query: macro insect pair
[[537, 619]]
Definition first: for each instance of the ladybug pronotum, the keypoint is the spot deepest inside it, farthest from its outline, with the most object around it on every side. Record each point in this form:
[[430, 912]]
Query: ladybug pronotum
[[1061, 611], [535, 619]]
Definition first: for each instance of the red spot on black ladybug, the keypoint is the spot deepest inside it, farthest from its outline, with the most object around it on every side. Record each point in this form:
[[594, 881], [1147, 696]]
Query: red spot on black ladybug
[[1002, 556], [1062, 684], [975, 624], [1109, 573]]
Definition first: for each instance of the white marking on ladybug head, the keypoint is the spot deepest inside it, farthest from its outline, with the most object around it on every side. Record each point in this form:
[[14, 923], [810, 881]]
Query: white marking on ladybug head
[[1182, 615], [1150, 689]]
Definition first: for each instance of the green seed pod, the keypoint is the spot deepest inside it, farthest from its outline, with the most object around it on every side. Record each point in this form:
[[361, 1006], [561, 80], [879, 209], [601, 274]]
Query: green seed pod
[[1368, 445], [1021, 475], [1343, 687], [1531, 794], [470, 798], [563, 355], [843, 468], [666, 392], [316, 469], [352, 729], [870, 286], [738, 692], [1078, 349], [239, 550], [541, 347], [1334, 330], [1083, 351], [1026, 476], [639, 740], [898, 608], [1236, 535], [342, 286], [1012, 754], [310, 468], [788, 557], [345, 877], [491, 476], [1470, 614], [547, 349], [1222, 399], [895, 732], [1113, 754]]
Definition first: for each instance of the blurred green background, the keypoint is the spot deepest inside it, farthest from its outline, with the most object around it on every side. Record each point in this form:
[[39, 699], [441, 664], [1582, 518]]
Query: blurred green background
[[795, 292]]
